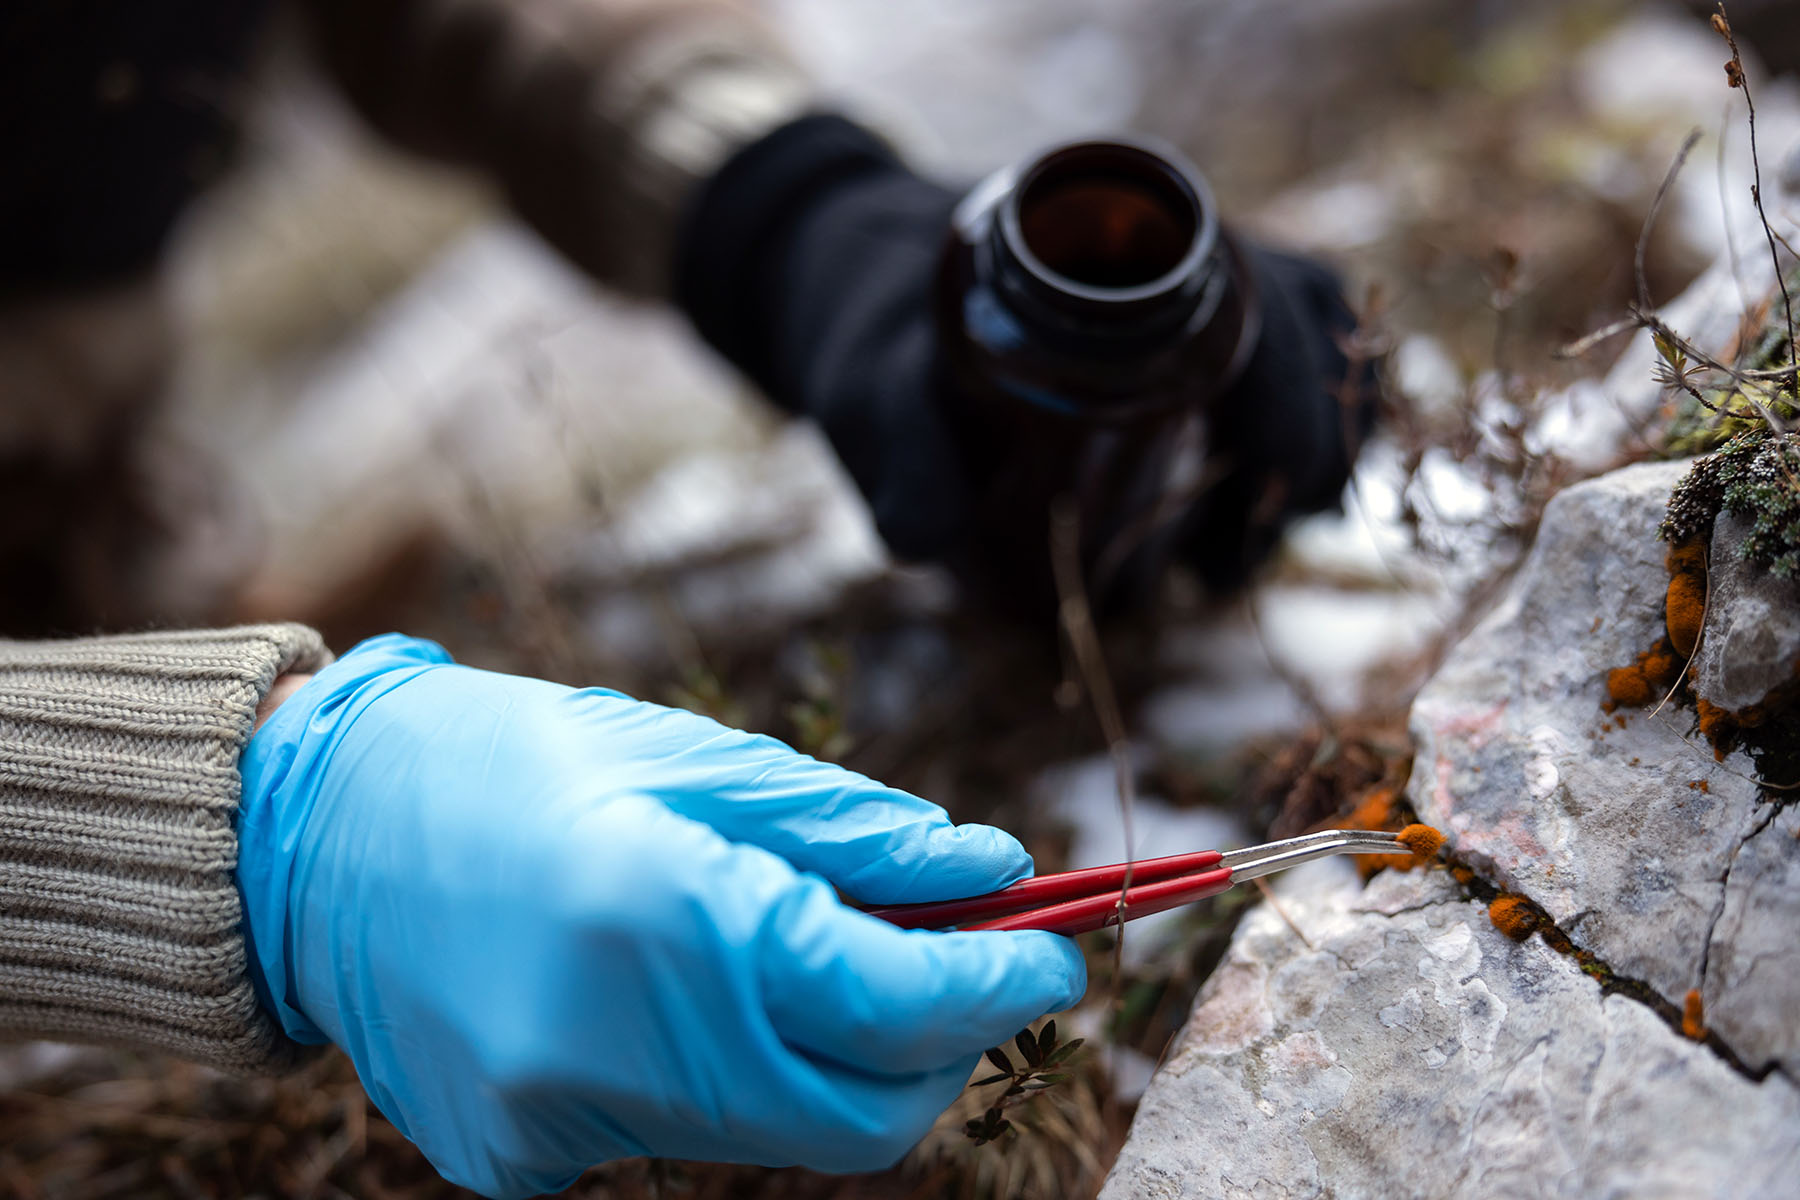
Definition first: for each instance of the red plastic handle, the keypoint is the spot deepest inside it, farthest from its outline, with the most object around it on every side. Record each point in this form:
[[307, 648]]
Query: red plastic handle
[[1097, 912], [1047, 892]]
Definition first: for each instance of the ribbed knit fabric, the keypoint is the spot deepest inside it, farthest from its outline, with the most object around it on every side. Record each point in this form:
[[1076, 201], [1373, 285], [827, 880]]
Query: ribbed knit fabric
[[120, 922]]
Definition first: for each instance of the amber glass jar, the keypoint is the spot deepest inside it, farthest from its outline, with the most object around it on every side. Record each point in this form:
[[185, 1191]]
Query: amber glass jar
[[1091, 308]]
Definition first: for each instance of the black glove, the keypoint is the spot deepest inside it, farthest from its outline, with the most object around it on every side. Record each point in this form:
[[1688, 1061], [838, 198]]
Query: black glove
[[810, 261], [1280, 435]]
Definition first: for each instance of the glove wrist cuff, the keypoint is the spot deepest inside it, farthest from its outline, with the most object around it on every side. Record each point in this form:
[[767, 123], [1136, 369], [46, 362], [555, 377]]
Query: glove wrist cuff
[[120, 922]]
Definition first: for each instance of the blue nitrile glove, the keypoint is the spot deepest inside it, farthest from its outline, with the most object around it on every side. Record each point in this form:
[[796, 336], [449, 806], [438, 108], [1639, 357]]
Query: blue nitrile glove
[[554, 927]]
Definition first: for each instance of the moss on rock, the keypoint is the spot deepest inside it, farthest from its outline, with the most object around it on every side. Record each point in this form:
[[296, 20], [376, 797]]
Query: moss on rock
[[1756, 476]]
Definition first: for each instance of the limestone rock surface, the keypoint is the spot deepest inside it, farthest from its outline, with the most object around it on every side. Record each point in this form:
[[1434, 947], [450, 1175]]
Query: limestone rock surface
[[1412, 1049], [1753, 645], [1621, 825], [1753, 957], [1415, 1051]]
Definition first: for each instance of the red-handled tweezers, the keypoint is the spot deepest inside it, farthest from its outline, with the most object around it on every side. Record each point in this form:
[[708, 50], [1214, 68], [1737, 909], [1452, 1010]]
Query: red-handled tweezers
[[1081, 901]]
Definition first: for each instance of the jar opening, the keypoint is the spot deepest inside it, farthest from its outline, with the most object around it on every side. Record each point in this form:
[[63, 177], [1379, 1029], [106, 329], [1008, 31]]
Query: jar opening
[[1109, 227], [1107, 230]]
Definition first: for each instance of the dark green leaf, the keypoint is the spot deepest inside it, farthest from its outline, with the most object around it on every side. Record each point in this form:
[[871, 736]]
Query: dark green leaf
[[983, 1082], [1057, 1078], [1028, 1047], [1062, 1053], [988, 1126], [998, 1057], [1047, 1039]]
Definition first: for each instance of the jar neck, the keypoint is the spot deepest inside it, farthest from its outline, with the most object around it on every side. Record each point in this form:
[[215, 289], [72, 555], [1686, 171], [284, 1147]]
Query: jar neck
[[1109, 244]]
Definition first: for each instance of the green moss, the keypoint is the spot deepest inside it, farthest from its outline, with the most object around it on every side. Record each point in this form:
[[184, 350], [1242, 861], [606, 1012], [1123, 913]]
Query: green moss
[[1755, 476], [1697, 429], [1596, 970]]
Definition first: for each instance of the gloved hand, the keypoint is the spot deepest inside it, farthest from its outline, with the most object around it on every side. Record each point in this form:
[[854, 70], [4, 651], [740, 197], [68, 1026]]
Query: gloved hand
[[1277, 461], [554, 927], [811, 261]]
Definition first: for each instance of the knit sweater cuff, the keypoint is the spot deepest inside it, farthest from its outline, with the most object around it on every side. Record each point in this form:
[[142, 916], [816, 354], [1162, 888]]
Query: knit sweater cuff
[[120, 921]]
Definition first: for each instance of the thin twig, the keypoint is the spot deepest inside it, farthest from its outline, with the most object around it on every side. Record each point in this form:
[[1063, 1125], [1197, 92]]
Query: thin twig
[[1746, 325], [1686, 667], [1785, 244], [1268, 895], [1662, 194], [1297, 683], [1090, 658], [1739, 79], [1708, 755], [1580, 346]]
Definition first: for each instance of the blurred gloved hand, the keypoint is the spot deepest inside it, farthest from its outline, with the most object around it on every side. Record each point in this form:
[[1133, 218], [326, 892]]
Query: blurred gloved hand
[[1286, 435], [554, 927], [811, 262]]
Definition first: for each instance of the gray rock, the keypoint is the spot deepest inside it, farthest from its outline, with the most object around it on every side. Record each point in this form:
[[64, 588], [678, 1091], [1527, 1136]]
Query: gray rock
[[1752, 643], [1753, 958], [1413, 1050], [1406, 1047], [1620, 826]]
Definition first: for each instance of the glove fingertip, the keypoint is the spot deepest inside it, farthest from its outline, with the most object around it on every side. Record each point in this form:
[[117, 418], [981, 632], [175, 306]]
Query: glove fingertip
[[940, 861], [990, 852], [1057, 966]]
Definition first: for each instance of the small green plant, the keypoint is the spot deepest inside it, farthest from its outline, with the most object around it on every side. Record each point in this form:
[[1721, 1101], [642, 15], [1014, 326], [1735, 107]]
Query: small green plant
[[1756, 476], [1043, 1056]]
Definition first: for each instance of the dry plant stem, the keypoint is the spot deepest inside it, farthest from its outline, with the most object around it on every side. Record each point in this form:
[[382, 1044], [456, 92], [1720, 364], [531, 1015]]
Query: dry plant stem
[[1662, 194], [1090, 658], [1581, 345], [1705, 755], [1740, 80], [1785, 244], [1641, 314], [1268, 895], [1731, 246], [1296, 682], [1363, 345], [1688, 666], [1140, 529]]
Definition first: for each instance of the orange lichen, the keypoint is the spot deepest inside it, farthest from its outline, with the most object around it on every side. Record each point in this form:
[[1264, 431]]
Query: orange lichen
[[1465, 876], [1378, 808], [1644, 682], [1701, 786], [1684, 609], [1719, 726], [1693, 1016], [1689, 558], [1375, 810], [1423, 841], [1515, 916]]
